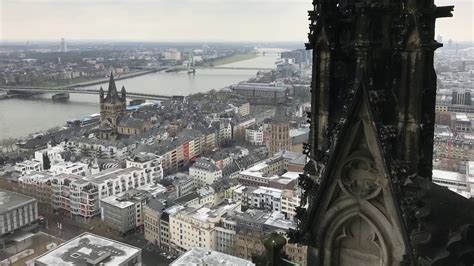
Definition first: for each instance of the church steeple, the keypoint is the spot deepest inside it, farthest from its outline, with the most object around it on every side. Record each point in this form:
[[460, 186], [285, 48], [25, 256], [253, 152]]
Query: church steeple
[[112, 108], [112, 93]]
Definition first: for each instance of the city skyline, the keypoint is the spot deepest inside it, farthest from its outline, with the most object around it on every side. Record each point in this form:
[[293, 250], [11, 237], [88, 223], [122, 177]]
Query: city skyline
[[184, 20]]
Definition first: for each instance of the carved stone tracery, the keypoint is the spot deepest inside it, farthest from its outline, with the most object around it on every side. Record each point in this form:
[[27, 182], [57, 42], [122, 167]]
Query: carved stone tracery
[[359, 178]]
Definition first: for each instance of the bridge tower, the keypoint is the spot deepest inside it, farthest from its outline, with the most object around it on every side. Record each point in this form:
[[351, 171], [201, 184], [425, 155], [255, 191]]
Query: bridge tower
[[191, 69]]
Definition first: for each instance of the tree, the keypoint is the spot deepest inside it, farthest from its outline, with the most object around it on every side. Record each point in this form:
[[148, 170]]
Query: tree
[[46, 162]]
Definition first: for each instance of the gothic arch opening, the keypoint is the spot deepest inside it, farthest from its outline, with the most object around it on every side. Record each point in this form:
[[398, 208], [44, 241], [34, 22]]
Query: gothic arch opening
[[357, 243]]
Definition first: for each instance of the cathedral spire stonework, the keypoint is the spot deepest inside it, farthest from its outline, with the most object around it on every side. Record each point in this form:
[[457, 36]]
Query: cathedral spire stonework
[[370, 151]]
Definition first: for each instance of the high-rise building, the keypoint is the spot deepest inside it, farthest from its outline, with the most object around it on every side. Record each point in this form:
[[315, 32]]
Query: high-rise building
[[62, 46], [461, 97]]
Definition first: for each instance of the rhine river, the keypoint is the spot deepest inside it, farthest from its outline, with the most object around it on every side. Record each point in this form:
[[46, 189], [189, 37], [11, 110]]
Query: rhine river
[[21, 117]]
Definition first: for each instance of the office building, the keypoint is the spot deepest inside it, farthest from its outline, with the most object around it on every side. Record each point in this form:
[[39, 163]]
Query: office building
[[62, 46], [16, 212], [124, 212], [90, 249]]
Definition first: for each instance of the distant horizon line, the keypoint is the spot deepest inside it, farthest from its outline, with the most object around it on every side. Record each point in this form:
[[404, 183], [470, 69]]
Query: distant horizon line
[[171, 41], [146, 41]]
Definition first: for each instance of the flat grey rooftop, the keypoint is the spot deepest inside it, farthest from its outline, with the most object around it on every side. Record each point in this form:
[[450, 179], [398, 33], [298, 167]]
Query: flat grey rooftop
[[10, 200], [89, 249], [201, 256]]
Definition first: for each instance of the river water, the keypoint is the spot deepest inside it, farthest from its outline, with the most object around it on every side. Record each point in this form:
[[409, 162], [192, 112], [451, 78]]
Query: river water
[[21, 117]]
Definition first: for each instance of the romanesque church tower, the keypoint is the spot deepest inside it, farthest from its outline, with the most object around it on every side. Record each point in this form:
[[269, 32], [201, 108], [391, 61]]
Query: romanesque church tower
[[112, 108]]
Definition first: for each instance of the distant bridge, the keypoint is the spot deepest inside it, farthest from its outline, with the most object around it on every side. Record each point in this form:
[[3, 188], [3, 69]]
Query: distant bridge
[[133, 95], [237, 68]]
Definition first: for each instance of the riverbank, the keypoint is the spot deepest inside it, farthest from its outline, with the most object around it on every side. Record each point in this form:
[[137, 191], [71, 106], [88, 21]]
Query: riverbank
[[84, 82], [23, 117], [231, 59]]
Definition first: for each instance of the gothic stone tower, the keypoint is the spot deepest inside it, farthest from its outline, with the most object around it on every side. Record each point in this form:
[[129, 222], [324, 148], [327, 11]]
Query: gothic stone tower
[[112, 107], [368, 182], [279, 131]]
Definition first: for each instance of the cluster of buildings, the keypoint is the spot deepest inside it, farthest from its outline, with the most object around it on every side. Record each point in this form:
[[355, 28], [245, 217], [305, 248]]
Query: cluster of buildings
[[229, 215], [79, 196], [200, 176], [34, 64], [53, 68], [454, 132]]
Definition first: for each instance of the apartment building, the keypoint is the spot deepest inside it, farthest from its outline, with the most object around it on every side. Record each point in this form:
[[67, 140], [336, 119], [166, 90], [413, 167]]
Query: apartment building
[[195, 226], [276, 222], [28, 166], [225, 234], [98, 148], [149, 161], [182, 184], [76, 168], [153, 211], [75, 197], [255, 135], [205, 172], [249, 233], [262, 198], [290, 199], [165, 232], [79, 197], [261, 173], [124, 212], [241, 123], [113, 181], [253, 226], [54, 154], [38, 186], [456, 148]]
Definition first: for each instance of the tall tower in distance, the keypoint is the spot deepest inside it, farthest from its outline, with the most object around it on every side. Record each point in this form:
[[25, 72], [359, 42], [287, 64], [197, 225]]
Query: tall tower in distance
[[62, 47]]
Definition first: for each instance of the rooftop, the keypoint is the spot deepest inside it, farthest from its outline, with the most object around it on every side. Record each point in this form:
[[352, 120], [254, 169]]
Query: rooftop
[[205, 164], [87, 249], [448, 175], [201, 256], [277, 221], [10, 200], [111, 173]]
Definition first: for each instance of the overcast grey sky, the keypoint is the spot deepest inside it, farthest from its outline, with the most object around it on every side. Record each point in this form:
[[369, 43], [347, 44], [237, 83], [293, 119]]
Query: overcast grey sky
[[181, 20]]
